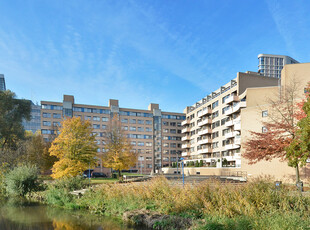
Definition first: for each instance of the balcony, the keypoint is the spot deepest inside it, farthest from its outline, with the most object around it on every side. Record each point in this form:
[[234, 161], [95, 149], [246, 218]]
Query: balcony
[[235, 108], [233, 122], [185, 122], [204, 141], [185, 154], [186, 130], [231, 99], [232, 146], [231, 134], [237, 126], [238, 140], [186, 138], [205, 112], [204, 131], [186, 146], [206, 150], [204, 122]]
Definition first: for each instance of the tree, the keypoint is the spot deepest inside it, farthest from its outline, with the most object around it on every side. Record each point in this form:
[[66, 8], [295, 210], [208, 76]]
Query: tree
[[298, 152], [12, 112], [75, 148], [118, 150], [280, 130]]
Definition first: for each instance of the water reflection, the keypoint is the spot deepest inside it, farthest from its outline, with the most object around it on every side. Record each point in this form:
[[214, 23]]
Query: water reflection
[[32, 216]]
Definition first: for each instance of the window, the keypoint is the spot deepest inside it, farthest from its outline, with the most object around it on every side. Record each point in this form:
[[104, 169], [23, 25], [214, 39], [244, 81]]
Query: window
[[166, 130], [140, 143], [265, 113], [148, 151], [173, 123], [173, 145], [46, 115], [96, 118], [215, 145], [87, 117], [215, 135], [133, 143], [104, 126], [132, 128], [147, 129], [148, 158], [56, 115], [173, 131], [148, 144], [140, 129], [215, 104], [215, 114], [148, 122], [46, 131], [56, 123], [215, 124], [264, 129], [125, 128], [96, 126], [141, 122], [225, 98], [166, 145], [105, 119], [46, 123], [124, 120], [165, 123], [132, 121], [179, 124]]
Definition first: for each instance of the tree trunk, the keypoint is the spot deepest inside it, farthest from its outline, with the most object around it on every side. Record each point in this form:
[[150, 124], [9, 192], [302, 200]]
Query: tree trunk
[[119, 175], [297, 174]]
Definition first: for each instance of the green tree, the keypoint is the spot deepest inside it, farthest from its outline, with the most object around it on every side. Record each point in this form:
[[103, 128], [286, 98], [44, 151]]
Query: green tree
[[118, 150], [12, 112], [75, 148], [298, 152]]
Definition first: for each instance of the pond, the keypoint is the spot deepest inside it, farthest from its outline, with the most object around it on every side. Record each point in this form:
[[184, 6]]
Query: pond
[[16, 215]]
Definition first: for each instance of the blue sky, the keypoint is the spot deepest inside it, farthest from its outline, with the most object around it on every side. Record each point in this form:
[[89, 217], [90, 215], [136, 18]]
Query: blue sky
[[162, 51]]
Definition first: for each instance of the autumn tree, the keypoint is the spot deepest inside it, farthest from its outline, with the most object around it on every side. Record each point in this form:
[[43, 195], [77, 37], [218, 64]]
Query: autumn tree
[[298, 152], [12, 112], [118, 150], [280, 131], [75, 148]]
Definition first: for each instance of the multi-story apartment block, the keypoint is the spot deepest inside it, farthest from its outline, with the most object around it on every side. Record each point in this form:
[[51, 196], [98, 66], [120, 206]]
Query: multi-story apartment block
[[213, 127], [270, 65], [2, 83], [217, 126], [35, 122], [154, 134]]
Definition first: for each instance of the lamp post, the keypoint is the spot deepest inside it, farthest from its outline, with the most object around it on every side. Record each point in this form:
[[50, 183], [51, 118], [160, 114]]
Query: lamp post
[[182, 159]]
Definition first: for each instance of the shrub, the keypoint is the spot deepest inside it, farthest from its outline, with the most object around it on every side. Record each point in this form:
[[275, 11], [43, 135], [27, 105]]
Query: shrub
[[60, 197], [70, 183], [22, 180]]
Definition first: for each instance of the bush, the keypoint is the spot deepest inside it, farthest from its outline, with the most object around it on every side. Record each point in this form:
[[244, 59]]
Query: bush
[[70, 183], [22, 180]]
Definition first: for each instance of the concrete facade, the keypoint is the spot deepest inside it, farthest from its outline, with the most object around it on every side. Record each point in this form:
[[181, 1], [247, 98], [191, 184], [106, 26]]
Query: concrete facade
[[154, 134], [248, 109]]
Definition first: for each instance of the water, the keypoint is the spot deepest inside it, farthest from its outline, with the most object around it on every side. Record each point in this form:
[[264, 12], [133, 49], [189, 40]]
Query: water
[[33, 216]]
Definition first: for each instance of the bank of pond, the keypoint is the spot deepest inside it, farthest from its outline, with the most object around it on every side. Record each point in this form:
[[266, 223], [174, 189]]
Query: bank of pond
[[157, 204]]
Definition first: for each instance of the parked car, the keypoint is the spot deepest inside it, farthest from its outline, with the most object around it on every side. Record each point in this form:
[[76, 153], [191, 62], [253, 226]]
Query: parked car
[[87, 173], [98, 174]]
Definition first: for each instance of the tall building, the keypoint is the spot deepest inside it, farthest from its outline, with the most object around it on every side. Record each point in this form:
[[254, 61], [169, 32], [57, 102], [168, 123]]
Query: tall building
[[2, 83], [270, 65], [213, 126], [217, 126], [34, 124], [154, 134]]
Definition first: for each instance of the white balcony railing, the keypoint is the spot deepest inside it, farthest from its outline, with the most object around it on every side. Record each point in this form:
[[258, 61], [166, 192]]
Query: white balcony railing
[[231, 99], [185, 122], [186, 146], [204, 141], [204, 122], [204, 112], [186, 130], [232, 146], [204, 131], [186, 138]]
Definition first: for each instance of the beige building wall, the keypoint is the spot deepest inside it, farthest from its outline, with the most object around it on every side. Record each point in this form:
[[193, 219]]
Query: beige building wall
[[256, 93], [137, 124]]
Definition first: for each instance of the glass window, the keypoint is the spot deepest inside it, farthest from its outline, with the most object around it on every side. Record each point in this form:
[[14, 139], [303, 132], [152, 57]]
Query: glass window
[[46, 123], [46, 115], [147, 129], [141, 122], [265, 113], [96, 118], [56, 123], [125, 127], [148, 122], [132, 128], [140, 143], [105, 119], [215, 104], [132, 121], [96, 126], [264, 129], [87, 117], [140, 129], [124, 120], [57, 115]]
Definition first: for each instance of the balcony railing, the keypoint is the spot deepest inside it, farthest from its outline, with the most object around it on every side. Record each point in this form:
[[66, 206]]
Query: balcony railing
[[204, 141], [186, 138], [231, 99], [185, 122], [204, 131], [204, 122], [186, 130], [204, 112], [186, 146]]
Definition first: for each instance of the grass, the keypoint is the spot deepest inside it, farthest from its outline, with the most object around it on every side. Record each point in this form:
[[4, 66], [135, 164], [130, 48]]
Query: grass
[[211, 205], [95, 181]]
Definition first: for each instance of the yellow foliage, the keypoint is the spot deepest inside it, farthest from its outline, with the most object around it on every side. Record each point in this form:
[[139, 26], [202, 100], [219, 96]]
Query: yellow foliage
[[118, 150], [75, 148]]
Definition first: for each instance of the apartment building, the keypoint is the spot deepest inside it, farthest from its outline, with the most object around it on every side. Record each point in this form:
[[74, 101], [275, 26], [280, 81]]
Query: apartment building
[[270, 65], [217, 126], [213, 125], [34, 124], [154, 134], [2, 83]]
